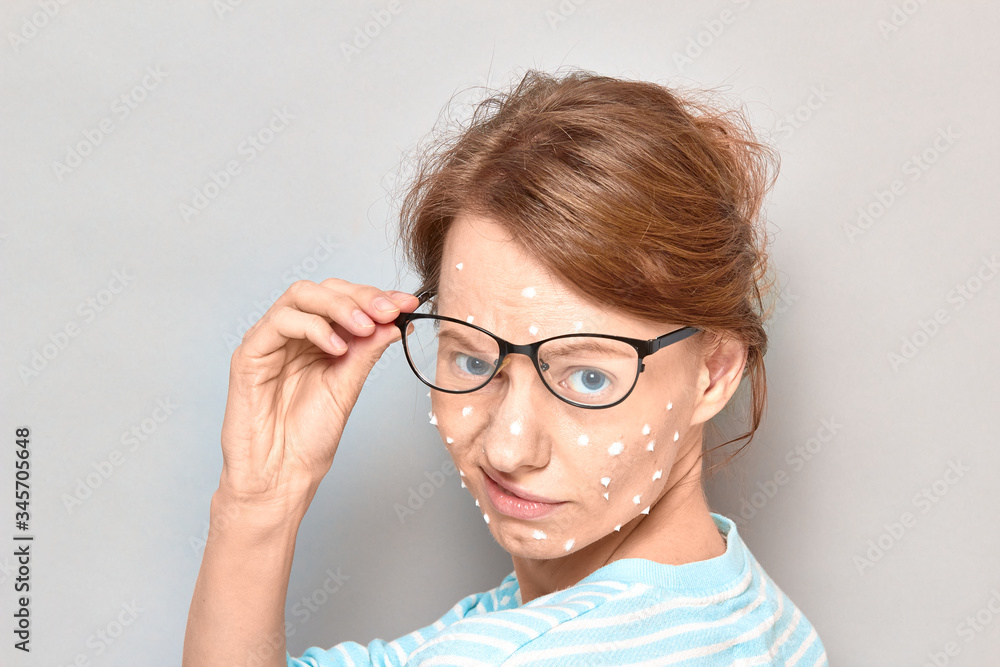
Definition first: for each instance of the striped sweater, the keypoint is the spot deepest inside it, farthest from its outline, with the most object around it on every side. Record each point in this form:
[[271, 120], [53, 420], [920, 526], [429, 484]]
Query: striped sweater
[[633, 611]]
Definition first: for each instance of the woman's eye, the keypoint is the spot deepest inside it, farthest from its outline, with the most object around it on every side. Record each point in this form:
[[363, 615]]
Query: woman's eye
[[588, 381], [472, 365]]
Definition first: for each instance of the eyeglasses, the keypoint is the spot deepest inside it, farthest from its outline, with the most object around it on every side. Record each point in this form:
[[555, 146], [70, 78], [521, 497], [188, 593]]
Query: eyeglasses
[[586, 370]]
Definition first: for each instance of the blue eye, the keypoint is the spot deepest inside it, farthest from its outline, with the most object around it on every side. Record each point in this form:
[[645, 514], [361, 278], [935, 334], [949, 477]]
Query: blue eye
[[588, 381], [472, 365]]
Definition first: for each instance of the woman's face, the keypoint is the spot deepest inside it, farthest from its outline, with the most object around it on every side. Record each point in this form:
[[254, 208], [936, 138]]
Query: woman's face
[[605, 466]]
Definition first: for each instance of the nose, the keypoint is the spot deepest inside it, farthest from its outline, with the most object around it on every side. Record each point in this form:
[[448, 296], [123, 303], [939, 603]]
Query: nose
[[516, 437]]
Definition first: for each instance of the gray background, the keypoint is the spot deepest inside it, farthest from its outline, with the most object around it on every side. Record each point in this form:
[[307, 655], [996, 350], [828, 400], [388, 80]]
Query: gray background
[[849, 103]]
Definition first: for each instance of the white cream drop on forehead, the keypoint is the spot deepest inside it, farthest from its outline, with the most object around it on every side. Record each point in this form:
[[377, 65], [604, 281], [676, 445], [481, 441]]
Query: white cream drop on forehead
[[533, 330], [467, 410], [539, 535], [469, 319], [616, 448], [583, 440], [569, 544], [645, 429], [459, 266], [528, 292], [515, 428], [577, 326]]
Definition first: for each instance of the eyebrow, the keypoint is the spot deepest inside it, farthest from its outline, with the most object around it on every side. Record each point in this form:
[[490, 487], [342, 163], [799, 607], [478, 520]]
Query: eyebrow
[[584, 345]]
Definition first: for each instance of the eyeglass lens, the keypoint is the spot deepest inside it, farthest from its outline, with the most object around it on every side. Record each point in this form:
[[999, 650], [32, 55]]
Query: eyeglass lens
[[453, 356]]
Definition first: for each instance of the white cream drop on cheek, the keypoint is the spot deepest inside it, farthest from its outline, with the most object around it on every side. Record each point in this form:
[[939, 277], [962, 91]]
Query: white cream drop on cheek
[[459, 266], [467, 410], [515, 427]]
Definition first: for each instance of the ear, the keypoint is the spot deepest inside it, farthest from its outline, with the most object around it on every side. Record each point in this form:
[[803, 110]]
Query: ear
[[719, 370]]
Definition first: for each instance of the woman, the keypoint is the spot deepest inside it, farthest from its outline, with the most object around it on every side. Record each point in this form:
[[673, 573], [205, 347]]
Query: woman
[[592, 268]]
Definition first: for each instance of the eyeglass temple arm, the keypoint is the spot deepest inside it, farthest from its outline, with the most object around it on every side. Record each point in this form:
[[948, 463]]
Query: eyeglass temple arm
[[670, 338]]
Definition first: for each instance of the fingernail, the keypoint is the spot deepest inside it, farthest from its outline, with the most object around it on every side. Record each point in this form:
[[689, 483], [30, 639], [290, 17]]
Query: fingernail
[[385, 305], [362, 319]]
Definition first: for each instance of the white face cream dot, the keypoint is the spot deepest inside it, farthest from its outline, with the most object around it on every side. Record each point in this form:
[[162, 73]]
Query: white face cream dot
[[569, 544], [528, 292], [449, 440], [459, 265], [533, 330], [616, 448], [652, 443], [538, 535], [461, 472], [477, 502], [670, 406], [467, 410], [486, 518], [658, 474], [583, 440], [605, 481], [636, 500], [462, 483], [645, 511], [577, 326], [677, 436], [606, 496], [515, 428], [645, 429], [469, 319], [434, 419], [618, 527]]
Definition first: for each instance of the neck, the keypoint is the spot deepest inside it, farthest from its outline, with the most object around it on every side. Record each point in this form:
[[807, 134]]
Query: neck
[[678, 529]]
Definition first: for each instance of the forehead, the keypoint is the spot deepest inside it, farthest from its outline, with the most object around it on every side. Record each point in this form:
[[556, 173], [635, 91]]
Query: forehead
[[509, 292]]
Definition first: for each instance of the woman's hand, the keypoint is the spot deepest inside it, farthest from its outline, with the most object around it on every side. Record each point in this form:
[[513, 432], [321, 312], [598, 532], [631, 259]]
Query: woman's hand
[[293, 382]]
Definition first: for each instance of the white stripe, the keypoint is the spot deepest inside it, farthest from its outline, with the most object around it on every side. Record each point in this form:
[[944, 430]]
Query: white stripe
[[452, 660], [802, 649], [504, 645], [618, 645], [347, 656], [822, 661], [766, 658], [399, 652], [500, 622], [438, 625]]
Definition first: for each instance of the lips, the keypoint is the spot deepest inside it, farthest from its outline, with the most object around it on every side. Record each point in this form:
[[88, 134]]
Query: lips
[[514, 490]]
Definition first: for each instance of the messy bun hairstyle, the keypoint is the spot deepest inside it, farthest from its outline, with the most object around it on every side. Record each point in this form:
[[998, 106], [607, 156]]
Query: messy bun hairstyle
[[644, 199]]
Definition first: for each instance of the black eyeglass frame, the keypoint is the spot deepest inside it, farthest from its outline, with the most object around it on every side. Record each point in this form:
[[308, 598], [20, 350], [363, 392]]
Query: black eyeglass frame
[[643, 349]]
